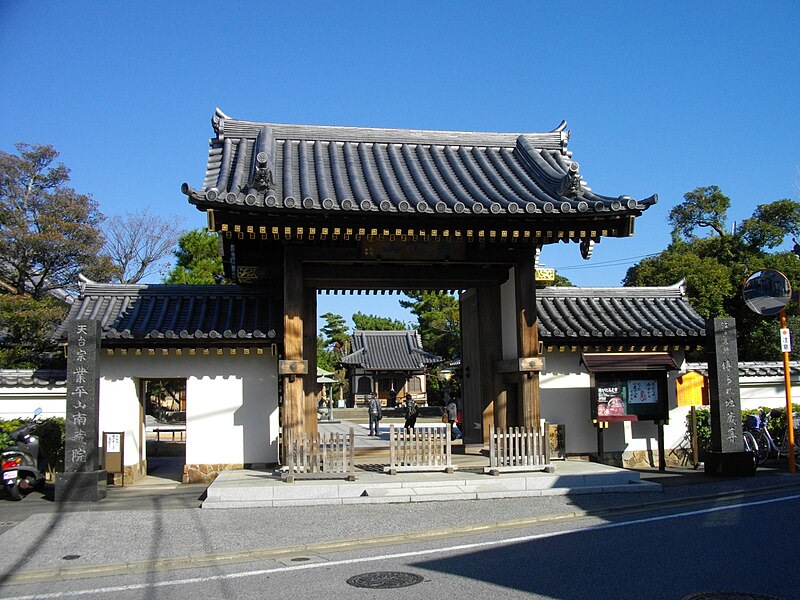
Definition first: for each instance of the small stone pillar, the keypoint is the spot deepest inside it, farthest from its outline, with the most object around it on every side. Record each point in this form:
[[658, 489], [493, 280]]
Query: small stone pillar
[[82, 479]]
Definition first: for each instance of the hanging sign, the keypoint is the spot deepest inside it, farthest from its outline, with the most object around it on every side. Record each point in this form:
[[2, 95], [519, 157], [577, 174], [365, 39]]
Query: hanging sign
[[786, 340]]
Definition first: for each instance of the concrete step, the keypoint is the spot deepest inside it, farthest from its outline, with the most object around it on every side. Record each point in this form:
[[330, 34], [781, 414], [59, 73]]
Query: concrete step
[[246, 489]]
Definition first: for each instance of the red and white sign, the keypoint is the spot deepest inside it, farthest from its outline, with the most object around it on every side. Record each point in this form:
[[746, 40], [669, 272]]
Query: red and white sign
[[786, 340]]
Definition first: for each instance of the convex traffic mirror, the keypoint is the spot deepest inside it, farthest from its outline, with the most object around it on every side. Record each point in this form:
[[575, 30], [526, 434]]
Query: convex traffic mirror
[[767, 292]]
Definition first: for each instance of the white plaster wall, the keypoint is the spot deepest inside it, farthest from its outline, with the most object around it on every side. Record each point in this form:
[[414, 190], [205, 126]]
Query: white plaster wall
[[508, 317], [565, 398], [564, 392], [20, 402], [119, 411], [756, 392], [231, 403]]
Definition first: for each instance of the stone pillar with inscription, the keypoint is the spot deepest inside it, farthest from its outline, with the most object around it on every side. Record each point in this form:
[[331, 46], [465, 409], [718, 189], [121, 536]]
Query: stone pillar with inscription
[[82, 479], [727, 455]]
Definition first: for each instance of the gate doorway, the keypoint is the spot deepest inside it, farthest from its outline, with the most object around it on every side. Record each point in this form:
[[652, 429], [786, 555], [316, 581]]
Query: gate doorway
[[164, 418]]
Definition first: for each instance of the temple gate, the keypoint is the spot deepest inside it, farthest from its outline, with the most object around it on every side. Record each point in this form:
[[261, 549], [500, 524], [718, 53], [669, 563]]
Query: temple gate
[[308, 209]]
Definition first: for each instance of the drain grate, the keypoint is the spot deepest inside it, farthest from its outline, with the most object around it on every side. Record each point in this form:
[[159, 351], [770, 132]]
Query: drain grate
[[728, 596], [384, 580]]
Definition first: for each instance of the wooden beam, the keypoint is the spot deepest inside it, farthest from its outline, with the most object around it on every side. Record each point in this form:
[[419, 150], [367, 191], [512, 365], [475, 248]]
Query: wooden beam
[[389, 276], [521, 365]]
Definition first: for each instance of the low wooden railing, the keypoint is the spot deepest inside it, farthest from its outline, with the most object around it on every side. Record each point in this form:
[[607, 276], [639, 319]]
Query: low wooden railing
[[420, 449], [518, 449], [320, 456]]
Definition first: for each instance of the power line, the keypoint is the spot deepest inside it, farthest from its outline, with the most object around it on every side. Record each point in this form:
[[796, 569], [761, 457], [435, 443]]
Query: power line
[[609, 263]]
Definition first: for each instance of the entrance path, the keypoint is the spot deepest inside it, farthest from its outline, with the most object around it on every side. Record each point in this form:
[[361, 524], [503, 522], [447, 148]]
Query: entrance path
[[263, 488]]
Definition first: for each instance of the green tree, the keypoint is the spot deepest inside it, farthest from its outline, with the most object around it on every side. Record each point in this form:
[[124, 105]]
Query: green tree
[[438, 318], [199, 260], [335, 331], [716, 265], [376, 323], [49, 234], [326, 359]]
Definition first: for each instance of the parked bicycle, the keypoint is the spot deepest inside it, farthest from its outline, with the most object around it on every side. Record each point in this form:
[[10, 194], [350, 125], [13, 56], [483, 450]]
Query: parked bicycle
[[758, 428], [750, 445]]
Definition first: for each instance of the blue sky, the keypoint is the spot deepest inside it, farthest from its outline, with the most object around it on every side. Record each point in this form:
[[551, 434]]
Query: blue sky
[[660, 97]]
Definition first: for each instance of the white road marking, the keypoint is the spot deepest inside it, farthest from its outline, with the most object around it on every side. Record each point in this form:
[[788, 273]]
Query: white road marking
[[394, 556]]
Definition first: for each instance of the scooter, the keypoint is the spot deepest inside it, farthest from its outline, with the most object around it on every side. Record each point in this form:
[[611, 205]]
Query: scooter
[[20, 462]]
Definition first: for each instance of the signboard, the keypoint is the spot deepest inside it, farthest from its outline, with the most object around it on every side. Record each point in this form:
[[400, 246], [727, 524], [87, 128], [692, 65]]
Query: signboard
[[611, 400], [631, 396], [691, 389], [786, 340], [643, 391], [113, 442]]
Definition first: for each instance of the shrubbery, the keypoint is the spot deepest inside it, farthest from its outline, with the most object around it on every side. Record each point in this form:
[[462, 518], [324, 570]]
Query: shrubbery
[[776, 425]]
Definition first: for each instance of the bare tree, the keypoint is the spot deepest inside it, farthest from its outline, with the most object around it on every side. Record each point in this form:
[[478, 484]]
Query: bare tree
[[138, 243]]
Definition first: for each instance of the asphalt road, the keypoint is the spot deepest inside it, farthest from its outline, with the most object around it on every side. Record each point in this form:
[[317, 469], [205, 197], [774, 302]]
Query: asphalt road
[[742, 543]]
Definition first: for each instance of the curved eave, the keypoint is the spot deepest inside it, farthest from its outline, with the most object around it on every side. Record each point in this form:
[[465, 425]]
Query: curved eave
[[289, 169]]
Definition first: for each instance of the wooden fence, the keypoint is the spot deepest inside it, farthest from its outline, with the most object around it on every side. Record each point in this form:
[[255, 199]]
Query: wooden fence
[[320, 457], [420, 449], [518, 449]]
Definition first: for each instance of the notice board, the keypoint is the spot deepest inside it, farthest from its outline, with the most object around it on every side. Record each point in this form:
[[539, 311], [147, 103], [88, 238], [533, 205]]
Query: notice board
[[634, 395]]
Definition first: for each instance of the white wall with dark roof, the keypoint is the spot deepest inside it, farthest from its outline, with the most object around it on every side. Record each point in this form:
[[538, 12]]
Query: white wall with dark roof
[[565, 394], [231, 403]]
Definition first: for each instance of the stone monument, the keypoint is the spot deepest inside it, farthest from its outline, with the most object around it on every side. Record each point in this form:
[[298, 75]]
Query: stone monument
[[82, 479], [727, 455]]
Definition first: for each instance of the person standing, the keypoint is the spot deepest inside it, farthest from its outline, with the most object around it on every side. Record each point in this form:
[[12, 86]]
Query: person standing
[[412, 410], [452, 415], [375, 414]]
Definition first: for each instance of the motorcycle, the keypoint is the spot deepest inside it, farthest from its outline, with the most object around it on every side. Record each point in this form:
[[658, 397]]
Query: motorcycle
[[20, 462]]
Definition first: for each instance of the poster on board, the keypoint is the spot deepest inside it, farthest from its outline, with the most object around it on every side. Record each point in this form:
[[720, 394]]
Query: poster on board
[[642, 391]]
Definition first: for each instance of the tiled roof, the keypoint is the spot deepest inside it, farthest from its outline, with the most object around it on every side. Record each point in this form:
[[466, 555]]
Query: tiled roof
[[179, 313], [275, 168], [597, 315], [752, 368], [389, 351], [31, 377], [136, 314]]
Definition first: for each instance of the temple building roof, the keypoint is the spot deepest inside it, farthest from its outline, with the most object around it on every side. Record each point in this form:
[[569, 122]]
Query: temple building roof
[[637, 315], [389, 351], [33, 378], [178, 314], [278, 169], [173, 315]]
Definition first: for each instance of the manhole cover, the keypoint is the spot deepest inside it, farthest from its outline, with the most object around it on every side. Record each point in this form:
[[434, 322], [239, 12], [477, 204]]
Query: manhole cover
[[384, 580], [728, 596]]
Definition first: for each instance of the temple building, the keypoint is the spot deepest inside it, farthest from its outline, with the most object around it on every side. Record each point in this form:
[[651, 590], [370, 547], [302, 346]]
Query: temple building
[[305, 210]]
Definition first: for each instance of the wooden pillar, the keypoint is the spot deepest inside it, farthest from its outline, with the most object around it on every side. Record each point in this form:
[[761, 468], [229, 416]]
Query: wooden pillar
[[310, 355], [480, 351], [491, 351], [527, 336], [293, 391]]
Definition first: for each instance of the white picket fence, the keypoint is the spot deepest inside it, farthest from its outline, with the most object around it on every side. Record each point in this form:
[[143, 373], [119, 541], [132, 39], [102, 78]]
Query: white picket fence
[[518, 449], [320, 456], [420, 449]]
